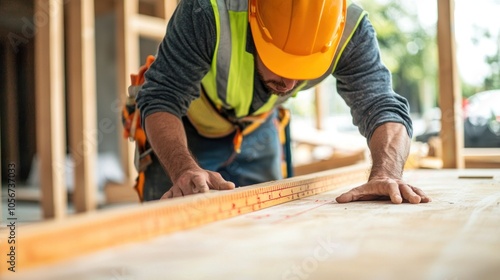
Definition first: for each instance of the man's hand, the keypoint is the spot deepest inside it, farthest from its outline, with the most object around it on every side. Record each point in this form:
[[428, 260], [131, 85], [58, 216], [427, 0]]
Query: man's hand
[[384, 188], [168, 139], [389, 147], [197, 181]]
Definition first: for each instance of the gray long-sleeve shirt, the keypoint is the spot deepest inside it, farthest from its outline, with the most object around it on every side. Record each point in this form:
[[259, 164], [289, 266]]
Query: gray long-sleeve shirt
[[185, 56]]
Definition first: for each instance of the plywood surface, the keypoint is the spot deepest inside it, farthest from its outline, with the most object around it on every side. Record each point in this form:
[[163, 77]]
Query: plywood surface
[[457, 236], [42, 243]]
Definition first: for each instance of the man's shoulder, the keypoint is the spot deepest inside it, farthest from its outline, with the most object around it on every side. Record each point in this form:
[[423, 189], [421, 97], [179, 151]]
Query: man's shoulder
[[196, 6], [203, 3]]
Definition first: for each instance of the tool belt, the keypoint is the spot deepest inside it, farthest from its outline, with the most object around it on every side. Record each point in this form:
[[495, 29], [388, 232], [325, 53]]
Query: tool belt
[[206, 119], [213, 123]]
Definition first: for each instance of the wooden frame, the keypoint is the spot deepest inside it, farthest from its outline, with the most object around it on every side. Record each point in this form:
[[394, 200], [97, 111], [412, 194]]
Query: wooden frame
[[127, 42], [319, 106], [450, 97], [82, 101], [50, 92], [338, 159], [49, 77]]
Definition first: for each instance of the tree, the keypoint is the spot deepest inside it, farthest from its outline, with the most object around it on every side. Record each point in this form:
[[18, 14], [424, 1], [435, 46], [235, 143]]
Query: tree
[[408, 50]]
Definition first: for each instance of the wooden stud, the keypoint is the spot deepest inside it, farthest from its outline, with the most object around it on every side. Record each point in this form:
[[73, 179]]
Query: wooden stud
[[104, 6], [148, 26], [29, 151], [11, 114], [450, 98], [127, 43], [165, 8], [338, 159], [82, 101], [318, 105], [481, 157], [50, 117]]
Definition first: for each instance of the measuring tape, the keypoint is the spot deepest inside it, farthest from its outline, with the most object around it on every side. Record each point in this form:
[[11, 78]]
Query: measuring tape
[[53, 241]]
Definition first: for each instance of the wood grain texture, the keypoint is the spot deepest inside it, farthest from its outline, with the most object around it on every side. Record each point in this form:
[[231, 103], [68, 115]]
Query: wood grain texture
[[457, 236], [50, 242]]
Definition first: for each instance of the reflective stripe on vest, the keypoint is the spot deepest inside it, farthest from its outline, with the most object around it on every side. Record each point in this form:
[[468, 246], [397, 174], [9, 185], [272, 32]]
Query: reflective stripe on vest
[[230, 80]]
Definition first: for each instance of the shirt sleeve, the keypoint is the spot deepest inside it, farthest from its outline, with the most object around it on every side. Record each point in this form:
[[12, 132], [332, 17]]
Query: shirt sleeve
[[183, 58], [364, 82]]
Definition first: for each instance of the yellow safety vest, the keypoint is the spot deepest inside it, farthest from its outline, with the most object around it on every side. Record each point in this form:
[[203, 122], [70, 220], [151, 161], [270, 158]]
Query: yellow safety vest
[[229, 84]]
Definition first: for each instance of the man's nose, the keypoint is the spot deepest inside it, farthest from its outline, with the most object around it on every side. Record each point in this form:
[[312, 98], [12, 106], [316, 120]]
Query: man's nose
[[289, 84]]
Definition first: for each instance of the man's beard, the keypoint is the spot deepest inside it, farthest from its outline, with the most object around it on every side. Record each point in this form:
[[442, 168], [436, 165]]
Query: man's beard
[[274, 82]]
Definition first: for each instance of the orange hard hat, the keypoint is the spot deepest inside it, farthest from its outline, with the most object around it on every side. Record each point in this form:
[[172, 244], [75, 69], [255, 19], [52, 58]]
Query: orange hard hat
[[297, 39]]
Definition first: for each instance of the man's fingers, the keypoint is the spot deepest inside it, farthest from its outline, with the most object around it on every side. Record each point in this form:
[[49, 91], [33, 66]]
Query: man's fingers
[[409, 194], [167, 195], [355, 194], [199, 185], [226, 185], [423, 196], [218, 183], [173, 192], [396, 191], [176, 191], [345, 197], [393, 192]]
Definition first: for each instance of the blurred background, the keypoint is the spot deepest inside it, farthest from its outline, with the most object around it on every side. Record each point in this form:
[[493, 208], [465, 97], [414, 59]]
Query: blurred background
[[322, 131]]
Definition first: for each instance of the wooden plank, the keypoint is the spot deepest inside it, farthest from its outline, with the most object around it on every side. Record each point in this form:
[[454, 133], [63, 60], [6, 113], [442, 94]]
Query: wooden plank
[[473, 157], [318, 105], [482, 154], [148, 26], [49, 77], [482, 157], [165, 8], [82, 101], [42, 243], [456, 236], [338, 159], [120, 193], [127, 42], [450, 96], [104, 6]]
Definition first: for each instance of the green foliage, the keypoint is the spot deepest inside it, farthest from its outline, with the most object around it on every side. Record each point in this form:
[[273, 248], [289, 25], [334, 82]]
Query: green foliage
[[468, 89], [407, 49], [410, 52], [492, 80]]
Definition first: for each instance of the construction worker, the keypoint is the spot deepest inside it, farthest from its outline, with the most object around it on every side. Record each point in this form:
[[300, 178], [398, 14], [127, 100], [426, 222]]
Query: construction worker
[[208, 102]]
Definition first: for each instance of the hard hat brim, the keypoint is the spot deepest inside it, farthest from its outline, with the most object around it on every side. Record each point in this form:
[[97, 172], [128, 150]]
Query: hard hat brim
[[290, 66]]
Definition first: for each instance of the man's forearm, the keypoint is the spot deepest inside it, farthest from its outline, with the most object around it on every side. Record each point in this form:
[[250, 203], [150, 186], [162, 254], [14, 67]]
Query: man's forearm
[[389, 147], [166, 135]]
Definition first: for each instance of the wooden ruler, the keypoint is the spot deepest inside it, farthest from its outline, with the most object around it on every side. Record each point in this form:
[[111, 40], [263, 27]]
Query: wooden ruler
[[56, 240]]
